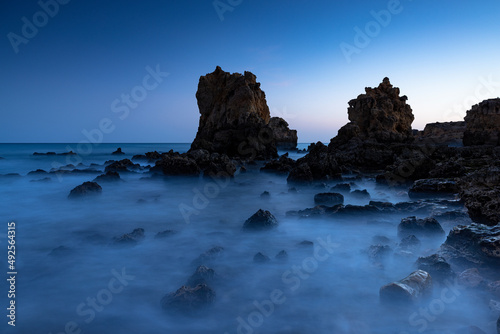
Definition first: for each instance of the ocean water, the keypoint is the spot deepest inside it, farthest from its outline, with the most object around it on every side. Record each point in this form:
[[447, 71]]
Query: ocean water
[[73, 278]]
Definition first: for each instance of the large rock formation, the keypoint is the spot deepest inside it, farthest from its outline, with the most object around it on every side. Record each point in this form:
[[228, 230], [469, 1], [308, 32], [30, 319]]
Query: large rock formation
[[483, 124], [234, 116], [286, 139], [447, 133]]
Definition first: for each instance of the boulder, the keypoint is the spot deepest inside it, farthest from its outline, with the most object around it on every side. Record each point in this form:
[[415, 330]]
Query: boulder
[[85, 189], [410, 289], [379, 253], [282, 165], [361, 194], [315, 166], [209, 256], [328, 199], [427, 227], [124, 165], [108, 177], [118, 151], [286, 139], [282, 256], [202, 275], [343, 188], [437, 267], [261, 220], [131, 238], [433, 187], [470, 278], [483, 124], [188, 299], [261, 258], [234, 116], [164, 234]]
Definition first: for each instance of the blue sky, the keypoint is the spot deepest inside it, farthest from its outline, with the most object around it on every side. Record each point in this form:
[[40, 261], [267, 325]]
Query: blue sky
[[62, 81]]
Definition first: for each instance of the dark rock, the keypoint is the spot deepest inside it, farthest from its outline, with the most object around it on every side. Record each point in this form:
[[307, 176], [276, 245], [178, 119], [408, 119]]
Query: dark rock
[[202, 275], [179, 166], [343, 188], [470, 278], [188, 299], [45, 179], [265, 194], [282, 256], [379, 252], [381, 240], [317, 165], [124, 165], [433, 187], [498, 325], [118, 151], [427, 227], [282, 165], [37, 172], [234, 116], [410, 289], [164, 234], [306, 243], [410, 243], [261, 220], [108, 177], [85, 189], [483, 124], [361, 194], [447, 133], [286, 139], [209, 256], [437, 266], [261, 258], [131, 238], [328, 199]]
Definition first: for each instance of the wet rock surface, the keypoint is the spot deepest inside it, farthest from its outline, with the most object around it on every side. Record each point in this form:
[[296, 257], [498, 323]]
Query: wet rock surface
[[261, 220], [410, 289], [86, 189], [286, 139], [328, 199], [421, 228], [188, 299]]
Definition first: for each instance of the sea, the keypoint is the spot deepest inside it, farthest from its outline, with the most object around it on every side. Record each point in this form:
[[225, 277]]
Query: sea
[[71, 276]]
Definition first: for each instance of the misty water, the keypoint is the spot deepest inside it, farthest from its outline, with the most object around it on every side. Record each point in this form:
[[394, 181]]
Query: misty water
[[332, 287]]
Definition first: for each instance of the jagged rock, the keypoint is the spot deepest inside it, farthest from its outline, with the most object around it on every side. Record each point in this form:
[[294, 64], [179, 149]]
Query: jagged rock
[[498, 325], [202, 275], [437, 266], [164, 234], [282, 256], [209, 256], [483, 124], [474, 245], [234, 116], [124, 165], [409, 290], [433, 187], [261, 220], [286, 139], [470, 278], [149, 156], [265, 194], [317, 165], [178, 165], [187, 299], [131, 238], [85, 189], [195, 162], [261, 258], [328, 199], [410, 243], [282, 165], [343, 188], [54, 153], [447, 133], [118, 151], [38, 172], [361, 194], [108, 177], [427, 227], [379, 253]]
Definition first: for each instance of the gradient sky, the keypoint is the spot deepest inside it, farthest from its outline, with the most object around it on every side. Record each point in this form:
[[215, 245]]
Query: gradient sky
[[444, 55]]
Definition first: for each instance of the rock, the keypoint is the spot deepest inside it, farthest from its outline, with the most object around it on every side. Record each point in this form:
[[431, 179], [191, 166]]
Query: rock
[[483, 124], [45, 179], [436, 266], [164, 234], [286, 139], [118, 151], [131, 238], [433, 187], [282, 256], [379, 253], [282, 165], [447, 133], [427, 227], [261, 258], [37, 172], [178, 166], [85, 189], [202, 275], [410, 289], [234, 116], [108, 177], [410, 243], [261, 220], [306, 243], [318, 165], [265, 194], [474, 245], [381, 240], [195, 162], [361, 194], [328, 199], [209, 256], [470, 278], [494, 288], [149, 156], [124, 165], [54, 153], [187, 299], [343, 188]]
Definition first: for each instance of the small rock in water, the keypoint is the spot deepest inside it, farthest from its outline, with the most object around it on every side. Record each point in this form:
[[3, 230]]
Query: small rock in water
[[110, 176], [282, 256], [329, 199], [428, 227], [379, 252], [202, 275], [498, 325], [187, 299], [131, 238], [410, 289], [410, 243], [261, 258], [261, 220], [164, 234], [85, 189], [343, 188], [437, 266], [470, 278], [306, 243], [210, 255], [118, 151], [361, 194], [265, 194], [381, 240]]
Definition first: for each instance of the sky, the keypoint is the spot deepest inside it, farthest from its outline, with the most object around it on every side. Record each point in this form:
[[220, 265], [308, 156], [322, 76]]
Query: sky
[[128, 71]]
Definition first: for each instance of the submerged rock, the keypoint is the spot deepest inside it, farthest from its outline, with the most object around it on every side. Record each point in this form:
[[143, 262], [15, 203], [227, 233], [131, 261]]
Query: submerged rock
[[361, 194], [261, 220], [202, 275], [209, 256], [470, 278], [124, 165], [437, 266], [131, 238], [410, 289], [188, 299], [85, 189], [261, 258], [328, 199], [164, 234], [282, 256], [108, 177], [410, 243], [343, 188], [427, 227]]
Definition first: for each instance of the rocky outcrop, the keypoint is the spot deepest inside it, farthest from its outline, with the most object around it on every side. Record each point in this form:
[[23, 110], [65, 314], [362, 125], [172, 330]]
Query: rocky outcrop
[[286, 139], [108, 177], [483, 124], [409, 290], [85, 189], [446, 133], [234, 116], [427, 227], [282, 165], [131, 238], [188, 299], [261, 220], [124, 165], [433, 187], [328, 199], [319, 164], [118, 151], [437, 266]]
